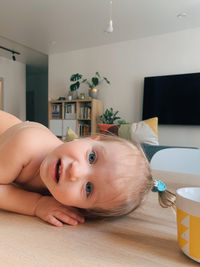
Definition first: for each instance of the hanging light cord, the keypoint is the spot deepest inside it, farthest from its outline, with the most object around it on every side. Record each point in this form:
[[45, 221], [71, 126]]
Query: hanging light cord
[[110, 10], [110, 25]]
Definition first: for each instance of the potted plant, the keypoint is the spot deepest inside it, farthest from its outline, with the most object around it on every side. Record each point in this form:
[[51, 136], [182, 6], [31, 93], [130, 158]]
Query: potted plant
[[95, 81], [76, 80], [107, 121]]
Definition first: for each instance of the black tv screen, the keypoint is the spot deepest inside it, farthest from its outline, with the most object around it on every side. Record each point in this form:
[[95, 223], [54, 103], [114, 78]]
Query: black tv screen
[[174, 99]]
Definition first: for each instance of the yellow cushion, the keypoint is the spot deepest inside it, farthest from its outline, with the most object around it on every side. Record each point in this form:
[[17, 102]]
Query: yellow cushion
[[142, 132], [153, 123], [70, 135]]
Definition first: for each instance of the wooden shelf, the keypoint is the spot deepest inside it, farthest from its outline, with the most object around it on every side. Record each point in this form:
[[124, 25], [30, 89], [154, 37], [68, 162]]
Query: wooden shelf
[[65, 113]]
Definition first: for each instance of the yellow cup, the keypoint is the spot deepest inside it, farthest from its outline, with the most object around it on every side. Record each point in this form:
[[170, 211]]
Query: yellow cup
[[188, 221]]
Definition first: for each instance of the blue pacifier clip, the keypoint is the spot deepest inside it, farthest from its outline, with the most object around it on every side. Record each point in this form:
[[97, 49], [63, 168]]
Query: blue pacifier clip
[[158, 186]]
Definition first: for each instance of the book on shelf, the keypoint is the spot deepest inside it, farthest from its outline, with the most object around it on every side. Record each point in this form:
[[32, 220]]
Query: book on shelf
[[70, 111], [85, 113], [84, 129], [56, 111]]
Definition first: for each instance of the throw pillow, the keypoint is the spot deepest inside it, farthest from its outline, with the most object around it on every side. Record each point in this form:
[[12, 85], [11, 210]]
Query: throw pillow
[[142, 132]]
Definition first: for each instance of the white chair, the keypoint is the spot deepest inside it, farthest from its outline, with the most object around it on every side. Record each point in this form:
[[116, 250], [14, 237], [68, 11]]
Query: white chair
[[184, 160]]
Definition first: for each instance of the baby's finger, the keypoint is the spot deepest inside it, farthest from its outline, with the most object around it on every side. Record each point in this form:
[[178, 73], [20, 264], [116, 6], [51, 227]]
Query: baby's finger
[[52, 220], [65, 218], [73, 213]]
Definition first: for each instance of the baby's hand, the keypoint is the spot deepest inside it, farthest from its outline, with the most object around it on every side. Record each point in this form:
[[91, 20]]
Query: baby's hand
[[53, 212]]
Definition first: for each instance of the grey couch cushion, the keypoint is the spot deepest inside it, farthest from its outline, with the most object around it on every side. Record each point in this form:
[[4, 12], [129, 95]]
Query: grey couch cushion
[[150, 150]]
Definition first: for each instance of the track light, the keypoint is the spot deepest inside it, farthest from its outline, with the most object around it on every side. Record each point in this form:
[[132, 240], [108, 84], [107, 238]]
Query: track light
[[11, 51], [13, 57]]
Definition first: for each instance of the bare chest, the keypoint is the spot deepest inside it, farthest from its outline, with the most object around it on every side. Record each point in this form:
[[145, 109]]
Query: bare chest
[[29, 178]]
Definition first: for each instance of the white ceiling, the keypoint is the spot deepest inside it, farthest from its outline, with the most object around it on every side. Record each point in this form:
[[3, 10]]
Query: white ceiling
[[54, 26]]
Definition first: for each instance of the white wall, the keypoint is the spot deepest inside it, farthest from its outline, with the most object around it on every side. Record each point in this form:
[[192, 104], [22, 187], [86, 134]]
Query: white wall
[[14, 87], [126, 64]]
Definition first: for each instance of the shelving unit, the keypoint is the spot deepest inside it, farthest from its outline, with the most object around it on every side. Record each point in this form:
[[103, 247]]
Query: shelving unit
[[81, 115]]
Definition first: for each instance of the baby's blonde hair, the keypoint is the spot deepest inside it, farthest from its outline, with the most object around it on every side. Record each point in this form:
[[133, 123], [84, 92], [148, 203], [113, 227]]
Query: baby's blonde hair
[[135, 182]]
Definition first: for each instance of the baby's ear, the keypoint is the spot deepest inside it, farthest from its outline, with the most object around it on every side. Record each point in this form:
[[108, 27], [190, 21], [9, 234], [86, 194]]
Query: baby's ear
[[95, 137]]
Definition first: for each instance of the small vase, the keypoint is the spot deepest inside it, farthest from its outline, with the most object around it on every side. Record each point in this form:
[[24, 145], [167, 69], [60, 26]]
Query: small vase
[[93, 93], [69, 95]]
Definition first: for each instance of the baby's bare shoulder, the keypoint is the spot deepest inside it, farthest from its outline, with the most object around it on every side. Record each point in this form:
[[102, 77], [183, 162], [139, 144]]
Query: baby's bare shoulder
[[24, 127], [7, 120], [27, 135], [35, 133], [30, 128], [21, 145]]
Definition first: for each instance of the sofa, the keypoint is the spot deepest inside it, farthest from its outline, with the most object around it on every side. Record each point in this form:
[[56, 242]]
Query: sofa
[[150, 150]]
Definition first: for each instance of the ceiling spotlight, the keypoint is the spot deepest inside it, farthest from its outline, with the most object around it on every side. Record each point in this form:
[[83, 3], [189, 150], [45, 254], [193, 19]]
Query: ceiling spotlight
[[110, 25], [13, 57]]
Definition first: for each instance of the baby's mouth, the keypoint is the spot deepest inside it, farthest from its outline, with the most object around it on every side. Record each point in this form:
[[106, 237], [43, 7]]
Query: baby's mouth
[[58, 170]]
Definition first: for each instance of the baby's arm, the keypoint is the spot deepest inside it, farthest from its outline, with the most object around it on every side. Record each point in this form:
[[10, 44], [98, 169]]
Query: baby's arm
[[16, 151], [13, 198]]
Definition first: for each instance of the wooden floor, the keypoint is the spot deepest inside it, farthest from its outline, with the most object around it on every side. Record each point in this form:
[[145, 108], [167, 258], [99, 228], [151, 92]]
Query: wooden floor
[[145, 238]]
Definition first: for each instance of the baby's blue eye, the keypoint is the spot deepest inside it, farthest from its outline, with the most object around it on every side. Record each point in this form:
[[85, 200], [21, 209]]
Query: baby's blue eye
[[88, 188], [92, 157]]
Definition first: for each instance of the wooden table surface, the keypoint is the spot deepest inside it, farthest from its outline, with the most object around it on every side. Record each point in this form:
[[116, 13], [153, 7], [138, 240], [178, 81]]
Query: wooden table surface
[[147, 237]]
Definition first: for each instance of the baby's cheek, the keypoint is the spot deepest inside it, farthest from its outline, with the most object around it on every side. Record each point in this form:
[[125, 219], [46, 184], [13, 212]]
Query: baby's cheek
[[66, 197], [43, 171]]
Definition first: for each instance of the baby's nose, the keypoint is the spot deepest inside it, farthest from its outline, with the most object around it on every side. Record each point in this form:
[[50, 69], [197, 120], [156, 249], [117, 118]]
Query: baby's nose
[[76, 171]]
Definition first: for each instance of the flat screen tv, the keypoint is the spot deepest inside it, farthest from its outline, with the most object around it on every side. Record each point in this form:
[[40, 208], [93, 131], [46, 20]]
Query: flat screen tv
[[174, 99]]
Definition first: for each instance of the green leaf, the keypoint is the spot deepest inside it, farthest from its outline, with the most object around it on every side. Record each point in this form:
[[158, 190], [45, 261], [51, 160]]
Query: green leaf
[[95, 81], [75, 77], [115, 113], [106, 80], [74, 86], [117, 118], [122, 122], [97, 74]]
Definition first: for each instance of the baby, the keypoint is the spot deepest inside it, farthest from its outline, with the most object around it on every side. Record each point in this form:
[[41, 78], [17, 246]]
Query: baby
[[63, 182]]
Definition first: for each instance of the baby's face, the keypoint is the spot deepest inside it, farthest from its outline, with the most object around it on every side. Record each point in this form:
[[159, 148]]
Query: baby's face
[[82, 173]]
